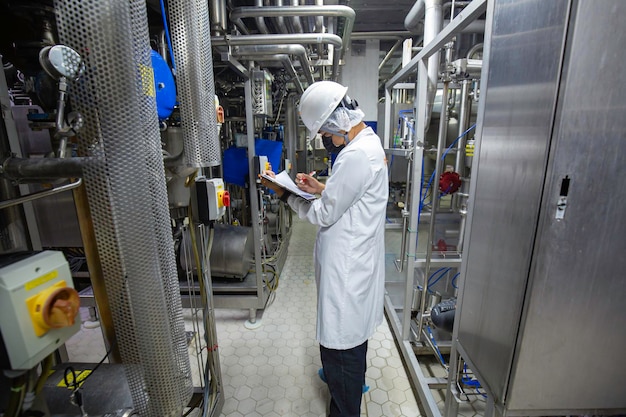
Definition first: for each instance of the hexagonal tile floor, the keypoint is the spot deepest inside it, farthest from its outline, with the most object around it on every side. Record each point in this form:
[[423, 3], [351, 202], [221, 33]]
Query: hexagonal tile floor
[[272, 370]]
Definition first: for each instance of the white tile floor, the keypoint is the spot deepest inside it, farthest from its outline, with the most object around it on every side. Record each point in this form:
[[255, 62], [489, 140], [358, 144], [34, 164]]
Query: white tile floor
[[272, 370]]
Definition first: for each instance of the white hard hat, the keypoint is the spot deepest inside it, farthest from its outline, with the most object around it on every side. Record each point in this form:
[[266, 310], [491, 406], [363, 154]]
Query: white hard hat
[[318, 102]]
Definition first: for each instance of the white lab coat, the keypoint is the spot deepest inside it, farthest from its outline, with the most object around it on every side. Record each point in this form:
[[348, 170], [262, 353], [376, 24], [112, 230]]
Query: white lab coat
[[350, 249]]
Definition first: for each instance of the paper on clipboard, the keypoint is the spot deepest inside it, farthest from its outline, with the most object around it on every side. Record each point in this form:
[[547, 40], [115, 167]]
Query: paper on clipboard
[[284, 180]]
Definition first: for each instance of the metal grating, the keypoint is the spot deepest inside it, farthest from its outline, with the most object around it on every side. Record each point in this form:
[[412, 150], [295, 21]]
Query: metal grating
[[128, 197], [191, 40]]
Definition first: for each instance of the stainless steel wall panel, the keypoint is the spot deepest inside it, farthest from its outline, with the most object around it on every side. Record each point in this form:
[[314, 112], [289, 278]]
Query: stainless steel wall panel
[[571, 350], [519, 94]]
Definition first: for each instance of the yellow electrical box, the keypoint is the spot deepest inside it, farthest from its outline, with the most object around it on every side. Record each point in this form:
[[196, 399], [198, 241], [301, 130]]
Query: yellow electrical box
[[38, 307]]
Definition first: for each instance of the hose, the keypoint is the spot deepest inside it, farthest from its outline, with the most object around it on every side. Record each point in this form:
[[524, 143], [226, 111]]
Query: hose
[[16, 399]]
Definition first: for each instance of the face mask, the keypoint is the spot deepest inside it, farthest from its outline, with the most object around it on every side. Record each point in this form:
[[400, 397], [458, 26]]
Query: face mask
[[330, 146]]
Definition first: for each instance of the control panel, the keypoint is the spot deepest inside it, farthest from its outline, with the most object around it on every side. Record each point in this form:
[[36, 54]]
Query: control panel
[[38, 308]]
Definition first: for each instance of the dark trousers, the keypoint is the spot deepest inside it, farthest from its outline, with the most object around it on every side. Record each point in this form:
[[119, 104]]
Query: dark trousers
[[345, 373]]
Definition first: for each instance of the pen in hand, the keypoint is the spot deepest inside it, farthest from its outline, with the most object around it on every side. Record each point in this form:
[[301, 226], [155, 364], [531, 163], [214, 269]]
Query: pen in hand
[[311, 174]]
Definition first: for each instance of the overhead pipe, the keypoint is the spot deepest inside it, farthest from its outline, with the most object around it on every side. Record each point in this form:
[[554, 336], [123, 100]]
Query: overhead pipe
[[346, 12], [267, 50], [260, 21], [382, 35], [305, 38], [284, 59], [295, 20], [415, 16], [280, 20]]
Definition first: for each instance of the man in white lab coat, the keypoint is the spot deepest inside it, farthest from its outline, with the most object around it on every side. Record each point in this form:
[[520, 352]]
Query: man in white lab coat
[[349, 250]]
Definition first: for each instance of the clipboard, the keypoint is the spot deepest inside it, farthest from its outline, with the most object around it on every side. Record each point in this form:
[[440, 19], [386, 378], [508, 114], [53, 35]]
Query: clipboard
[[283, 180]]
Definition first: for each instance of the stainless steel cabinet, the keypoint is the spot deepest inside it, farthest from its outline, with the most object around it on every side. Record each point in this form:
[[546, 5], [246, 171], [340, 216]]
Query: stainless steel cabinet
[[542, 316]]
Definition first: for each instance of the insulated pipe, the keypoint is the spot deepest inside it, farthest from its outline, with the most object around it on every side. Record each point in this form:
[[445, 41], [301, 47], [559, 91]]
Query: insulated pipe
[[319, 11], [268, 50], [305, 38], [284, 59]]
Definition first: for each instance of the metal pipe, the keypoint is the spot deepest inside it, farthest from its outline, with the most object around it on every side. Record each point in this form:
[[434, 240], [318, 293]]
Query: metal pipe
[[39, 194], [280, 20], [389, 54], [415, 15], [96, 276], [320, 11], [467, 15], [305, 38], [43, 168], [284, 59], [295, 20], [260, 21], [218, 17], [433, 22], [291, 132], [443, 128], [382, 35], [459, 164], [268, 50]]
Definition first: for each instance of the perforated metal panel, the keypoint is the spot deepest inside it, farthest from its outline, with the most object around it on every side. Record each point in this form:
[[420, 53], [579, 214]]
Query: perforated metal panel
[[261, 93], [128, 197], [191, 40]]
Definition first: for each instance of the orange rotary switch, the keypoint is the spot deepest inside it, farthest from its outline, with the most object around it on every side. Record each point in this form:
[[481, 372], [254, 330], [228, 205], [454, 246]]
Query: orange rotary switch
[[53, 308]]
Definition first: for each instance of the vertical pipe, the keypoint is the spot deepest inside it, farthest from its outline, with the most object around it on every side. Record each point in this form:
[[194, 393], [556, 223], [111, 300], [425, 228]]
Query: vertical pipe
[[459, 165], [433, 23], [464, 112], [254, 197], [96, 275], [418, 160], [443, 128], [218, 17], [291, 127]]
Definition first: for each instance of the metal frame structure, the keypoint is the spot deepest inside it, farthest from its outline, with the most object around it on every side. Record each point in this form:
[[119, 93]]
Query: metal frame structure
[[401, 326]]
